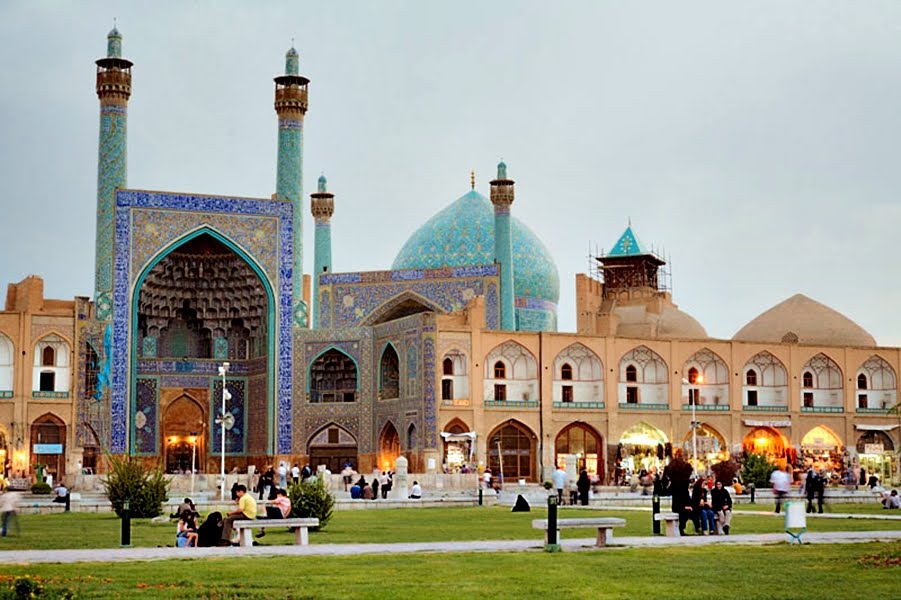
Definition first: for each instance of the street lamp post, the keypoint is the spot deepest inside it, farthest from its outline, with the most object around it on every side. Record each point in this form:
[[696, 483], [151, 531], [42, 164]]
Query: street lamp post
[[193, 460], [694, 426], [225, 396]]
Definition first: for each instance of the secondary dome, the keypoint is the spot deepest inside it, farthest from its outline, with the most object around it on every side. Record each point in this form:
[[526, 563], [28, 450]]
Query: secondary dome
[[801, 319], [462, 235]]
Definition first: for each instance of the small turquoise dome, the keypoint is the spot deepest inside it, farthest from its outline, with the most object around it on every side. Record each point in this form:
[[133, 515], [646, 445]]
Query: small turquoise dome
[[463, 235]]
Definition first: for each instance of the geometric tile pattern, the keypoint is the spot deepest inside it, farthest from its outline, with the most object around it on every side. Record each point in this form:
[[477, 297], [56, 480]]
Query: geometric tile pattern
[[351, 299], [234, 436], [261, 230], [146, 412]]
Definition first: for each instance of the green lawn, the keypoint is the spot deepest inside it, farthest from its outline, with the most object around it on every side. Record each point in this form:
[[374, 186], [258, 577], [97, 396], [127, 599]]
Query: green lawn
[[87, 530], [845, 571]]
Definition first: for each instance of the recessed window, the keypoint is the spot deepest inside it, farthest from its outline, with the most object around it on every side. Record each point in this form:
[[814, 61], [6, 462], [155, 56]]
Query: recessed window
[[448, 366], [500, 370], [862, 382], [566, 372], [500, 392], [751, 377], [631, 374], [807, 379], [693, 395], [567, 393], [447, 389], [48, 357], [333, 435], [752, 397], [808, 399], [631, 394], [692, 375], [862, 401], [48, 381]]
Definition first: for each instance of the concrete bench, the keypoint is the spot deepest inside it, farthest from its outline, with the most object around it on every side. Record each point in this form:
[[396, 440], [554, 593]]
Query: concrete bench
[[671, 521], [301, 536], [604, 526]]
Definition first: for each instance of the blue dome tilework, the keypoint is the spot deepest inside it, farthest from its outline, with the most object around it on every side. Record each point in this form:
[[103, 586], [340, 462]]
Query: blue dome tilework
[[462, 235]]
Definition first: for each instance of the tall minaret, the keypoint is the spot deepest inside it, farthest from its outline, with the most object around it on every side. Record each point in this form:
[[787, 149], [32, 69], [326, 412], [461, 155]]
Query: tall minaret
[[114, 90], [291, 106], [502, 198], [322, 203]]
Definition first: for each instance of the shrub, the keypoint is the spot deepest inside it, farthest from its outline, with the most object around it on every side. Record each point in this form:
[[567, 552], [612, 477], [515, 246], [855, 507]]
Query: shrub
[[757, 469], [41, 488], [548, 485], [310, 499], [128, 481]]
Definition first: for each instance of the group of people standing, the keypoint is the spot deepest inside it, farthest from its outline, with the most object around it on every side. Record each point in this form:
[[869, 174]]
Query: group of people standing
[[578, 490], [381, 482]]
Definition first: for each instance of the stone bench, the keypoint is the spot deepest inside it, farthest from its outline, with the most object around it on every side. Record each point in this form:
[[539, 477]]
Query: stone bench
[[671, 521], [604, 526], [300, 526]]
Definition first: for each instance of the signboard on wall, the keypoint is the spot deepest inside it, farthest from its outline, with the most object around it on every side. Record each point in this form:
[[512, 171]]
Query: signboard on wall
[[873, 448], [47, 449]]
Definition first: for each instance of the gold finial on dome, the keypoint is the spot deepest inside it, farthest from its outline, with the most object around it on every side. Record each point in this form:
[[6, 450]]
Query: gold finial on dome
[[472, 179]]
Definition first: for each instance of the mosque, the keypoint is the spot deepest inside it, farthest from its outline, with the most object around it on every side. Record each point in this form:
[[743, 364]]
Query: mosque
[[202, 321]]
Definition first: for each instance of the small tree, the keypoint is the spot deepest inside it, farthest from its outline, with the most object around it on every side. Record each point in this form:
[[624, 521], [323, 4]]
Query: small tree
[[725, 471], [310, 499], [757, 470], [128, 481]]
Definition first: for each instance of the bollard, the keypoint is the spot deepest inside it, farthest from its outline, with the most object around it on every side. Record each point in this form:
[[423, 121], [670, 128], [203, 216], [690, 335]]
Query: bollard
[[655, 510], [126, 524], [751, 487], [480, 495], [552, 545], [68, 500]]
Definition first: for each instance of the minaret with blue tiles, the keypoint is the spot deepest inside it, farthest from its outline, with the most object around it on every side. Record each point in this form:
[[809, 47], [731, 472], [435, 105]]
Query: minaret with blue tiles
[[322, 203], [113, 90], [502, 199], [291, 106]]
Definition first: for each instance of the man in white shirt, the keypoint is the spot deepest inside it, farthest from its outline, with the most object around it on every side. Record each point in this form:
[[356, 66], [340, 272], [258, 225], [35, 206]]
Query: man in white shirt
[[559, 478], [782, 481], [415, 491]]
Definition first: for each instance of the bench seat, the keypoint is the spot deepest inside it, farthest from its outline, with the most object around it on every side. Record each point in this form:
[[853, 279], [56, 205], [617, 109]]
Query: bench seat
[[301, 535], [604, 526], [671, 521]]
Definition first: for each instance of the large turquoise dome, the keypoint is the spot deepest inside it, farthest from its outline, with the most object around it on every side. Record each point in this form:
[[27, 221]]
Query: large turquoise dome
[[463, 235]]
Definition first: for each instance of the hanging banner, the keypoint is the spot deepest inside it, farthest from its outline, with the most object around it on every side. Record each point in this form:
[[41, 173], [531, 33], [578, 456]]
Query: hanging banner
[[873, 448], [753, 423]]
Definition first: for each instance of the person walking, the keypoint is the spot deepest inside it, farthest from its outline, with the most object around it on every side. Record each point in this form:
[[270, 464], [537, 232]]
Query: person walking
[[584, 484], [810, 488], [559, 478], [781, 481], [9, 506]]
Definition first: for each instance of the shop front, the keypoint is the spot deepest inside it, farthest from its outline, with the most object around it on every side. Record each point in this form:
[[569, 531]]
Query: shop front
[[765, 439], [711, 445], [640, 447], [876, 453], [822, 449]]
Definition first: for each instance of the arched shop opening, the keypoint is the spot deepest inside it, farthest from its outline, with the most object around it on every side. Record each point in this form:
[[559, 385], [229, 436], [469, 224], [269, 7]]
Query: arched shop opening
[[389, 447], [641, 447], [821, 448], [711, 444], [459, 446], [333, 447], [876, 454], [582, 444], [183, 430], [48, 445], [769, 443], [511, 452]]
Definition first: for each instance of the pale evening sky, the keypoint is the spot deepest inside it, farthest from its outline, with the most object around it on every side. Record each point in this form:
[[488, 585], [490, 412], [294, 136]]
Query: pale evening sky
[[753, 141]]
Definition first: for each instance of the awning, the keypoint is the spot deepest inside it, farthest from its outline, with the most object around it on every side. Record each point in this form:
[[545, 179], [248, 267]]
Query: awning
[[754, 423], [468, 436], [873, 427]]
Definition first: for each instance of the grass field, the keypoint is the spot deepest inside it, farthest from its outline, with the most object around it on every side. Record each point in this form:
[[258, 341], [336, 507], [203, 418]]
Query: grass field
[[91, 530], [844, 571]]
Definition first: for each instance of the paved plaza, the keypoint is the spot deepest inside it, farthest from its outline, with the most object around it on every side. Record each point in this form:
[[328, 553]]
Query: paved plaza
[[533, 545]]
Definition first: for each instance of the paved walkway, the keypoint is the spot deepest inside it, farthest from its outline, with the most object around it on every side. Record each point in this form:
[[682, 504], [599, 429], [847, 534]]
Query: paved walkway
[[130, 554]]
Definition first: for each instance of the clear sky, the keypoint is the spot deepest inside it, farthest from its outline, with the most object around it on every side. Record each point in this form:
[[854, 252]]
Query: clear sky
[[753, 142]]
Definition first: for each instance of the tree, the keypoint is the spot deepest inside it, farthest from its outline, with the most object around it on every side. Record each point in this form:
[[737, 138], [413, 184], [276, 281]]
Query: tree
[[757, 469], [128, 481], [725, 471]]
